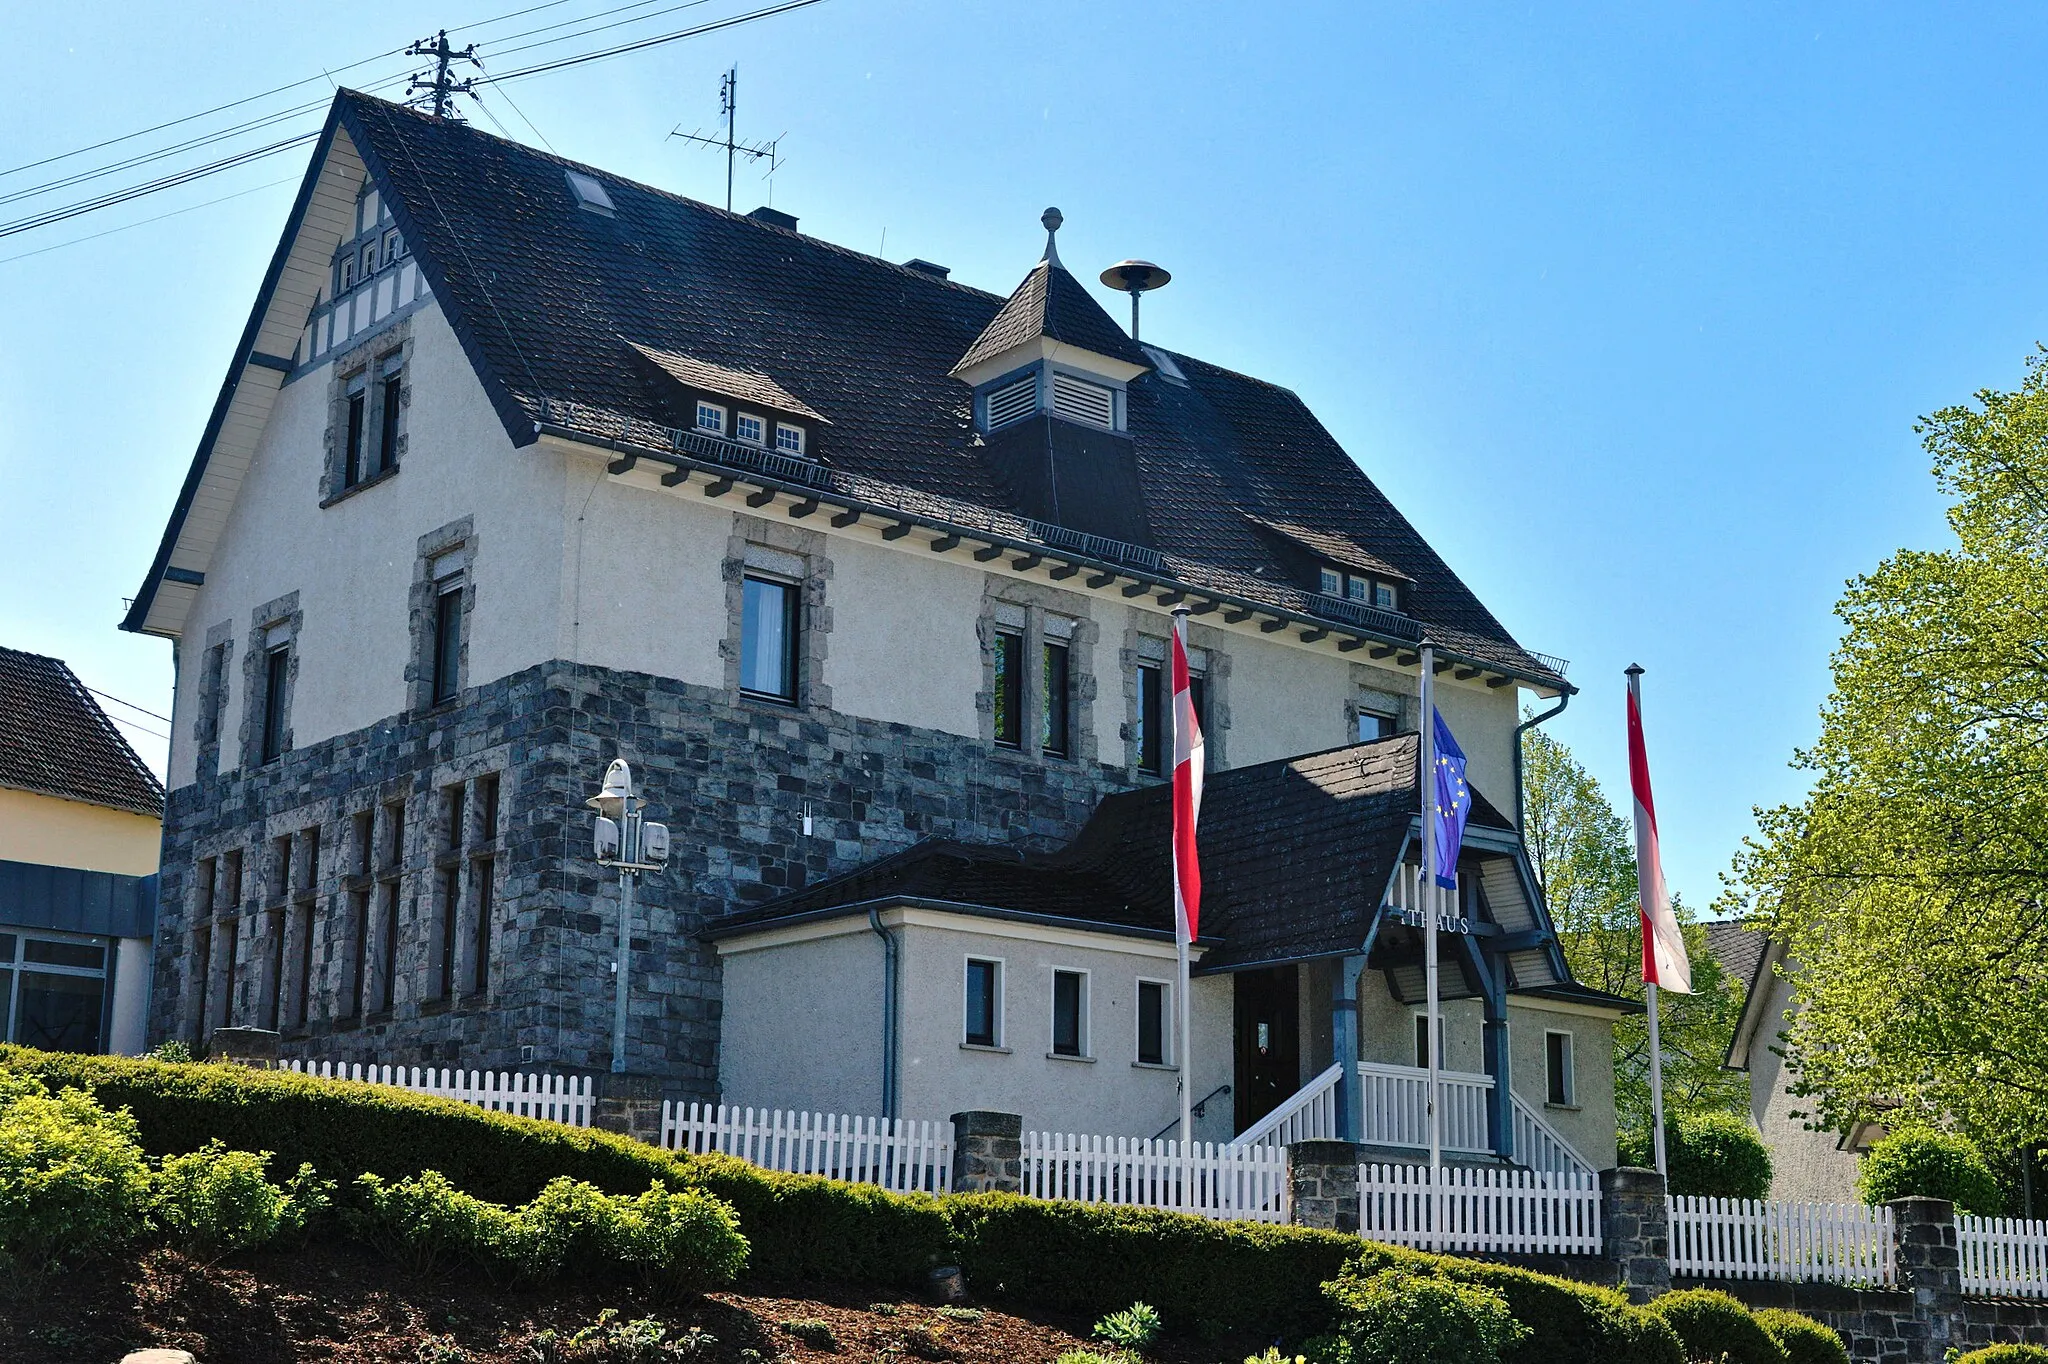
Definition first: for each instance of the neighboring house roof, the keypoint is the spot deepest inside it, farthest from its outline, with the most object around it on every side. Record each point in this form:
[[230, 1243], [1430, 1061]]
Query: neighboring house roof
[[554, 305], [1296, 855], [56, 741], [1750, 956]]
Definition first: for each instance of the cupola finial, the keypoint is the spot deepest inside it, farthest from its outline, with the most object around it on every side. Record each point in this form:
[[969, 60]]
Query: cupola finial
[[1051, 219]]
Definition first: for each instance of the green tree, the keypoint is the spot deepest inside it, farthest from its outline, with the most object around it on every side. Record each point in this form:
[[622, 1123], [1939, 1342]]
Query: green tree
[[1911, 885], [1583, 853]]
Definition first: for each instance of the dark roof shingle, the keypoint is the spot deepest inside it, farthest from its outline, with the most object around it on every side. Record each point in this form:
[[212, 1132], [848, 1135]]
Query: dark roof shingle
[[56, 741]]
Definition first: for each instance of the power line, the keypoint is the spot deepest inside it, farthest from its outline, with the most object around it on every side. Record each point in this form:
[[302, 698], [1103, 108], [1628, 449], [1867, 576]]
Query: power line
[[747, 18], [130, 704], [122, 196], [144, 222]]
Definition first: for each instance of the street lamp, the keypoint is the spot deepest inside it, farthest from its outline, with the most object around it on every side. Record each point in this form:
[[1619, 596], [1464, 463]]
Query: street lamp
[[628, 842]]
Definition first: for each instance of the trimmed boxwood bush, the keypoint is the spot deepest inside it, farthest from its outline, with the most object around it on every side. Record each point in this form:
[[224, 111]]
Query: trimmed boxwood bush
[[1804, 1340], [73, 1181], [1396, 1316], [215, 1201], [1924, 1162], [1717, 1155], [2005, 1354], [1717, 1329]]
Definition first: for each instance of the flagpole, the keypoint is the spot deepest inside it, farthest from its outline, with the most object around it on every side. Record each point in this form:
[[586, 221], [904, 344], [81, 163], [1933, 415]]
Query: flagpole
[[1432, 1046], [1635, 695]]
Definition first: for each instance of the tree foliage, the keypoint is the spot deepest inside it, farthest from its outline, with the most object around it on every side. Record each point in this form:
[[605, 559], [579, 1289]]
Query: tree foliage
[[1583, 852], [1911, 886]]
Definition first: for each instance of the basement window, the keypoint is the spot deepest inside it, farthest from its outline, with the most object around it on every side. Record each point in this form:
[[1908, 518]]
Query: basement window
[[589, 193]]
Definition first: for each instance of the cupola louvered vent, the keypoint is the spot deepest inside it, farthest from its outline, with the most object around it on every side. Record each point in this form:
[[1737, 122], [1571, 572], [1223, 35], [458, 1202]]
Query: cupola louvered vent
[[1013, 402], [1083, 401]]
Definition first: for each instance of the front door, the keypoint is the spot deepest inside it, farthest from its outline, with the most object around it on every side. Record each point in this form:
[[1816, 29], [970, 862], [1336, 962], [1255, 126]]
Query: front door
[[1268, 1042]]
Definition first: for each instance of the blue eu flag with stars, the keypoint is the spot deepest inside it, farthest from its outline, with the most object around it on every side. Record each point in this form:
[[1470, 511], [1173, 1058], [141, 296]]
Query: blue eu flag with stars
[[1453, 802]]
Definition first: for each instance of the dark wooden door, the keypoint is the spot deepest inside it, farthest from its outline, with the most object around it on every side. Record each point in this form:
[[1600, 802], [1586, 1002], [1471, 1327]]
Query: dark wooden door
[[1268, 1042]]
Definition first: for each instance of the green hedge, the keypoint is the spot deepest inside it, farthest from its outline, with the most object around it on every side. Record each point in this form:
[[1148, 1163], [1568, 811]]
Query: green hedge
[[1804, 1340]]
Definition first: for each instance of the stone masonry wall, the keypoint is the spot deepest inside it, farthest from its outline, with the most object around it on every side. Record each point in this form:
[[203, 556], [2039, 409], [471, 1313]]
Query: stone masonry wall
[[730, 776]]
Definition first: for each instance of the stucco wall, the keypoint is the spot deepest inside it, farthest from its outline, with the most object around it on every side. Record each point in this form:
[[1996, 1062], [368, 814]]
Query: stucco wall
[[70, 833], [1588, 1124], [352, 563], [1805, 1165], [802, 1024]]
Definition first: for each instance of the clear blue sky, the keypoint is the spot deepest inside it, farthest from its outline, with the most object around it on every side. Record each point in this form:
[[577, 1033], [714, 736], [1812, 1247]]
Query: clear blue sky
[[1631, 308]]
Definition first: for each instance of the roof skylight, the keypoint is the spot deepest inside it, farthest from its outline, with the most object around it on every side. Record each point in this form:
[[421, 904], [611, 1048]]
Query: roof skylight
[[589, 193]]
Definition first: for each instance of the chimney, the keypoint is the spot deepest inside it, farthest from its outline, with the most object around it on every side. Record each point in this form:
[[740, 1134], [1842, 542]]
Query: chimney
[[774, 217], [925, 267]]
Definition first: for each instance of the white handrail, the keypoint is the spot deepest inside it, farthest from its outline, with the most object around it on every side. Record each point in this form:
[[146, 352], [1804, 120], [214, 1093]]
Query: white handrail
[[1309, 1114], [1539, 1146], [1394, 1107]]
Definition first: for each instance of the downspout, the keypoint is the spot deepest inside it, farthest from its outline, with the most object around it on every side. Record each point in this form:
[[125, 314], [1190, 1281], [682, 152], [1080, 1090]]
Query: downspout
[[889, 1029], [1564, 698]]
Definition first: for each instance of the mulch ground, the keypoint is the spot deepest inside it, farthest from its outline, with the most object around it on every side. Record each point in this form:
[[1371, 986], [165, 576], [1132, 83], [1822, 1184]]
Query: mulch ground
[[340, 1303]]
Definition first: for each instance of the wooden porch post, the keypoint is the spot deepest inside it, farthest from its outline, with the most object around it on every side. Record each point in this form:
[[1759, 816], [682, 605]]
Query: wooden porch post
[[1344, 1044], [1491, 970]]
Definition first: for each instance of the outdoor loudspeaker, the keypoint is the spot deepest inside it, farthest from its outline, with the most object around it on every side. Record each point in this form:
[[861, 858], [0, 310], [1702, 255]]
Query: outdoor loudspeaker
[[607, 839], [654, 843]]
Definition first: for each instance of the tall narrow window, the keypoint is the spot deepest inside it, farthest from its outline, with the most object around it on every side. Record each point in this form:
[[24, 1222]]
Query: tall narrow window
[[1152, 1022], [451, 816], [447, 643], [768, 638], [1151, 718], [984, 1003], [487, 808], [232, 928], [451, 905], [387, 948], [357, 427], [1069, 1013], [387, 418], [1559, 1082], [1009, 692], [202, 942], [481, 871], [1198, 696], [276, 674], [1055, 718], [273, 1011], [359, 940]]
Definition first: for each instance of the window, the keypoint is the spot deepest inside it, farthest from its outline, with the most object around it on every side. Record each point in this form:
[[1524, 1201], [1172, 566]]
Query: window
[[1152, 1026], [984, 1003], [589, 193], [347, 281], [1151, 719], [1372, 725], [748, 428], [1359, 587], [52, 991], [1383, 596], [1422, 1042], [369, 260], [276, 681], [768, 636], [1333, 583], [789, 439], [451, 909], [1559, 1084], [1009, 693], [389, 390], [393, 248], [1069, 1013], [482, 870], [711, 417], [447, 661], [357, 427], [213, 695], [1054, 730], [202, 943]]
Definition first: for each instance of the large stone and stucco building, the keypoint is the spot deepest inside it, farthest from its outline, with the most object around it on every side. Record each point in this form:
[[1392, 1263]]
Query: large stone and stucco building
[[520, 466]]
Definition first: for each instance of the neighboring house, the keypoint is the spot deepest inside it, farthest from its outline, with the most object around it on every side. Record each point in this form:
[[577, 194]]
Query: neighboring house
[[1806, 1165], [81, 818], [520, 466]]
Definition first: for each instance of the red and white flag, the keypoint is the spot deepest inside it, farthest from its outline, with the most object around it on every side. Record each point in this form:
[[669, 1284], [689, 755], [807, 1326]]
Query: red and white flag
[[1187, 793], [1664, 960]]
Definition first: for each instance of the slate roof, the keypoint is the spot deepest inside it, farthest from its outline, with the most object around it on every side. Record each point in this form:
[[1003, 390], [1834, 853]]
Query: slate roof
[[1050, 302], [56, 741], [1295, 855], [550, 301], [1737, 947]]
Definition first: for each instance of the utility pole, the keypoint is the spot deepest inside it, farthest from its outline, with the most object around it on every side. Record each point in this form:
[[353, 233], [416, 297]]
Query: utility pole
[[728, 112], [442, 87]]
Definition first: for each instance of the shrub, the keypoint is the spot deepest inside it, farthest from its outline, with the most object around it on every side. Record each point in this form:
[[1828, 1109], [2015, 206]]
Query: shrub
[[682, 1242], [1804, 1340], [1713, 1154], [1085, 1357], [966, 1316], [214, 1200], [1396, 1316], [2004, 1354], [1930, 1164], [1717, 1329], [1134, 1328], [811, 1331], [73, 1180], [424, 1222]]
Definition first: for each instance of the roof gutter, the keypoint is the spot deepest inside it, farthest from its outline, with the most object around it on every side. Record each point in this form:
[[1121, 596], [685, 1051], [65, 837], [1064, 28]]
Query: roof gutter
[[1314, 627]]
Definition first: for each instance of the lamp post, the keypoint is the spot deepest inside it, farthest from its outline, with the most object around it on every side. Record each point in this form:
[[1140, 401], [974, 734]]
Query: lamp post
[[629, 843]]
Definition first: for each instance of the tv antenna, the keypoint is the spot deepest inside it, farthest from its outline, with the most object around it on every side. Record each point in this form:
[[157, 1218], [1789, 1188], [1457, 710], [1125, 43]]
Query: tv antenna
[[442, 89], [728, 108]]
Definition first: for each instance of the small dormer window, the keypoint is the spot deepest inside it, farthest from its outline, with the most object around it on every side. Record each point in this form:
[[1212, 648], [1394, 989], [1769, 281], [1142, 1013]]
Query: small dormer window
[[369, 260], [1360, 587], [1383, 596], [1083, 401], [789, 439], [589, 193], [1333, 583], [1013, 402], [391, 246], [711, 418], [1357, 588], [348, 274], [748, 428]]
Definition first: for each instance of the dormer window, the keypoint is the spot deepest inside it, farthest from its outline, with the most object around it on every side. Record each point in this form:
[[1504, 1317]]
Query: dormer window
[[749, 428], [1360, 587], [1083, 401], [711, 418], [789, 439]]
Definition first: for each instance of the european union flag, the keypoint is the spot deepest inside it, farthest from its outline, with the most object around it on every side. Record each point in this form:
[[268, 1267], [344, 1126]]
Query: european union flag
[[1453, 802]]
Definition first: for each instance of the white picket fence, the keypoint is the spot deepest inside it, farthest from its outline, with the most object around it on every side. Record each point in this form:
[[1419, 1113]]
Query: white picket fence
[[557, 1098], [2003, 1256], [1500, 1210], [1743, 1238], [904, 1155], [1226, 1181]]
